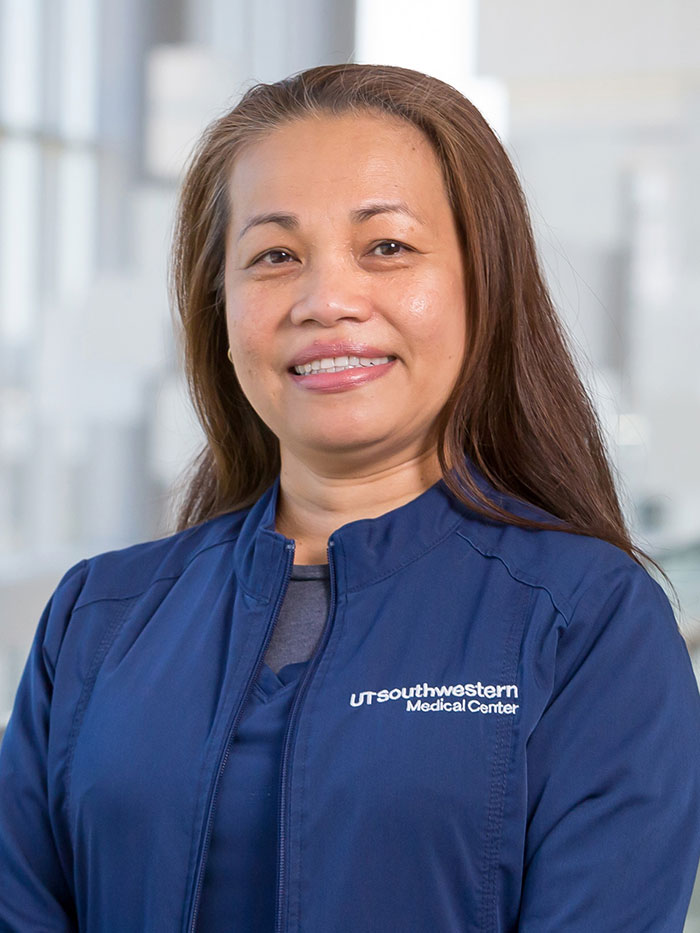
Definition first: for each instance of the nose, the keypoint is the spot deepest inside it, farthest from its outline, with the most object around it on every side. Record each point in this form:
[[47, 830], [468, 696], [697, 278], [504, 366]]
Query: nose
[[332, 291]]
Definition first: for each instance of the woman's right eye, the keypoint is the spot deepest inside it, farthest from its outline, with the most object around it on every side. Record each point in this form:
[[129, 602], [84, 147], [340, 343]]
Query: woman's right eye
[[272, 252]]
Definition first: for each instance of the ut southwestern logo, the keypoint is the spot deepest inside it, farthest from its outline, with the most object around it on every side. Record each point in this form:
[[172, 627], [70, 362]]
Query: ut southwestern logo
[[470, 698]]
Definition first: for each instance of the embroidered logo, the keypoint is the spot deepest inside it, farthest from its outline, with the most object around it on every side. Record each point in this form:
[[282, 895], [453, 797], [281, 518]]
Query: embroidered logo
[[470, 698]]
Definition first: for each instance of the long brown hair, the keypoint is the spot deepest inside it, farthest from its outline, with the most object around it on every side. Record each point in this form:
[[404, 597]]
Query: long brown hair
[[519, 409]]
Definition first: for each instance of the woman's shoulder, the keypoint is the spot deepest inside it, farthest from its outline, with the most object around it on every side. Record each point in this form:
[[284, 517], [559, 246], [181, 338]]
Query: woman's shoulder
[[128, 571], [568, 565]]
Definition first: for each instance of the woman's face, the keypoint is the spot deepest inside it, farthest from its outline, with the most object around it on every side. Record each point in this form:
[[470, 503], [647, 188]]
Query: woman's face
[[360, 260]]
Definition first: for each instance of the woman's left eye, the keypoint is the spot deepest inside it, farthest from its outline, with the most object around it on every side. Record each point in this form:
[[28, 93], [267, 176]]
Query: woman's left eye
[[393, 243]]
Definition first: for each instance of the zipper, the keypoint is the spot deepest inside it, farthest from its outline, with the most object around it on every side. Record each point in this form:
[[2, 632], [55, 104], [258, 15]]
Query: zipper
[[232, 729], [287, 745]]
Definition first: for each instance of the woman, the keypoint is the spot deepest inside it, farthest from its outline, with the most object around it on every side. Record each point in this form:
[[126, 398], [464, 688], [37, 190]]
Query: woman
[[400, 667]]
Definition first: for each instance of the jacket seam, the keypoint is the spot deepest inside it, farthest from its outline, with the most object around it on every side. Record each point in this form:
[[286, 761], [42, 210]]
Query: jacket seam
[[67, 577], [328, 658], [206, 781], [165, 578], [524, 578], [84, 700], [499, 779], [405, 563]]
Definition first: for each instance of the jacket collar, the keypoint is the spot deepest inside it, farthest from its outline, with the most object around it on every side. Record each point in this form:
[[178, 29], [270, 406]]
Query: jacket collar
[[364, 551]]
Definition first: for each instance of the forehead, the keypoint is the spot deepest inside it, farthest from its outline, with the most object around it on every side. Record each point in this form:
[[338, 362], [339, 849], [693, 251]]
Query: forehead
[[334, 160]]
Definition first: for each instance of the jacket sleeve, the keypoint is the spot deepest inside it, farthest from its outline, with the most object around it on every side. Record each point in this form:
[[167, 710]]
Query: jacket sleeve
[[613, 770], [34, 892]]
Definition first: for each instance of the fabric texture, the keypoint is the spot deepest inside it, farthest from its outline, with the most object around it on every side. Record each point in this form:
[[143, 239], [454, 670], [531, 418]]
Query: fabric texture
[[498, 730], [302, 616], [241, 867]]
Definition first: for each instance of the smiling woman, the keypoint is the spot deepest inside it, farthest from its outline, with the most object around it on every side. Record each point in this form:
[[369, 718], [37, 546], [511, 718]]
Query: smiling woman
[[332, 201], [289, 714], [362, 437]]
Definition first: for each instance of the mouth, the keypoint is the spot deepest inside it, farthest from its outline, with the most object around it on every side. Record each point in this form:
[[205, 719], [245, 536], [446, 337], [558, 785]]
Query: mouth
[[338, 364], [340, 373]]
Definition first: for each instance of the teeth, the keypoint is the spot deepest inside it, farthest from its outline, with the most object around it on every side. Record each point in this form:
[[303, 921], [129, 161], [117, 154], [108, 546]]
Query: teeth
[[339, 363]]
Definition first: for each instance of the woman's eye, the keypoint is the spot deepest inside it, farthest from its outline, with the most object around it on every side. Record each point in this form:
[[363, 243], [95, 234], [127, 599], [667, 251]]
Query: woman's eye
[[273, 252], [395, 248], [392, 243]]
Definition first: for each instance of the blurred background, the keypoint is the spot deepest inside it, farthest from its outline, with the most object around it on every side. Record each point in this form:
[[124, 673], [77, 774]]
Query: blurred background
[[598, 105]]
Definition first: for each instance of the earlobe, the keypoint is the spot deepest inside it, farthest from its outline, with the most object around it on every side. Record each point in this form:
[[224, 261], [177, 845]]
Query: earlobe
[[229, 354]]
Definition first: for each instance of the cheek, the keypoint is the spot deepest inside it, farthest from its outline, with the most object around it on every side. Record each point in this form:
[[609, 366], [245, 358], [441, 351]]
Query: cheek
[[435, 324], [248, 336]]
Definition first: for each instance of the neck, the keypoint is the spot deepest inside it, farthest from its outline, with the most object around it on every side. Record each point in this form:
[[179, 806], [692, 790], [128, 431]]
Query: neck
[[311, 505]]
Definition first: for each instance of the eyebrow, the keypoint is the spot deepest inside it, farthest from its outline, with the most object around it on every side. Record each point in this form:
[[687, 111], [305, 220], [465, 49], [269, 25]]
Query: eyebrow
[[358, 216]]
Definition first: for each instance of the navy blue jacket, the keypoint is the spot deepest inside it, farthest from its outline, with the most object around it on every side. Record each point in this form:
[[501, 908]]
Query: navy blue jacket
[[499, 731]]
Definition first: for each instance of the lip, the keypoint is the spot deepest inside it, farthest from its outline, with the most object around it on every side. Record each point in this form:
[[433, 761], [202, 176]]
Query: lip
[[319, 351], [341, 382]]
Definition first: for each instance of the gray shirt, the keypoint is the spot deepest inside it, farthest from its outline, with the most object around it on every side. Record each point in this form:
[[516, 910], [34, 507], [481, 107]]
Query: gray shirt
[[302, 616]]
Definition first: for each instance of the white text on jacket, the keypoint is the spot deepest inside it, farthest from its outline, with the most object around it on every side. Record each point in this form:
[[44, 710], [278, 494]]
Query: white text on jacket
[[416, 695]]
